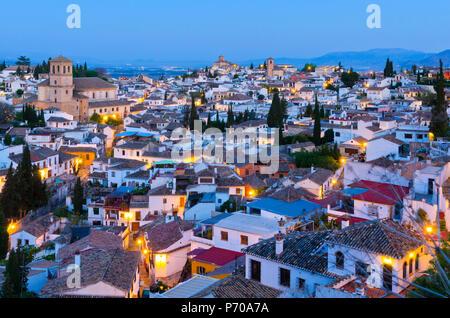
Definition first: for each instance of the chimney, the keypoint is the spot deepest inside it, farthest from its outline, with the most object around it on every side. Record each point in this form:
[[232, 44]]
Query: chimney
[[279, 238], [174, 185], [345, 222], [78, 259], [281, 224]]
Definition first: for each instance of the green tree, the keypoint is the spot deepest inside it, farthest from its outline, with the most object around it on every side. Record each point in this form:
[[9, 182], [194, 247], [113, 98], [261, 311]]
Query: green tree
[[78, 196], [309, 67], [16, 272], [3, 65], [273, 117], [7, 140], [23, 60], [439, 117], [433, 280], [316, 131], [349, 78], [388, 69], [329, 135], [24, 177], [230, 117], [4, 236], [193, 115], [95, 118], [9, 198]]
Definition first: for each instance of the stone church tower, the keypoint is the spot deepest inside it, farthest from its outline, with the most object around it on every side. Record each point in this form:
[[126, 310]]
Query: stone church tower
[[269, 67], [61, 80]]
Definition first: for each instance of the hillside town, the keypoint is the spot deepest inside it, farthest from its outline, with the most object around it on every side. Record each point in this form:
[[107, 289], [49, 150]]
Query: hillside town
[[125, 187]]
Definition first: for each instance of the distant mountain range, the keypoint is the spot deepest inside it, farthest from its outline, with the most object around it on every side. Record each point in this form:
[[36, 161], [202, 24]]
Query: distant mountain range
[[371, 60]]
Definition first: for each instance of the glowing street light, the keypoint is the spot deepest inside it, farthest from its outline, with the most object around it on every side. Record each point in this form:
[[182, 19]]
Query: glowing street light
[[342, 160], [429, 229], [387, 260]]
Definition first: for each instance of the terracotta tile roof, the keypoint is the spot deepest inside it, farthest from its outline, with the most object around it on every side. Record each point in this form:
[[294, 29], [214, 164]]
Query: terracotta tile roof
[[237, 286], [162, 235], [383, 237], [300, 249], [85, 83], [114, 267], [95, 239]]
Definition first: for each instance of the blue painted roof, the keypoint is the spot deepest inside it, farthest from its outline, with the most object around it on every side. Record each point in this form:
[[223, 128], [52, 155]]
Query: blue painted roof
[[288, 209], [134, 133], [353, 191]]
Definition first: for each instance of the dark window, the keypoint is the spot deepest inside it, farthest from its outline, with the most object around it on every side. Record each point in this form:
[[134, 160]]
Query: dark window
[[337, 134], [340, 259], [19, 242], [255, 268], [411, 267], [285, 277], [408, 136], [301, 283], [137, 216], [224, 236], [244, 240], [417, 262], [201, 270], [96, 211], [361, 269], [387, 276]]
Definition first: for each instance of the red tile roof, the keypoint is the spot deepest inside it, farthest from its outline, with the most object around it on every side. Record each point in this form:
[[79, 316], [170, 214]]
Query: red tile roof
[[217, 256], [382, 193]]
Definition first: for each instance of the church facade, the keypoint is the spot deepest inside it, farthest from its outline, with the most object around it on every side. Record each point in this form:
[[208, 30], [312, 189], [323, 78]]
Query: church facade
[[80, 96]]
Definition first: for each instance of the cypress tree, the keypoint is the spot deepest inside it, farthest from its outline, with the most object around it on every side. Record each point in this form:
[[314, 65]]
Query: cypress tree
[[78, 197], [24, 182], [274, 111], [439, 117], [9, 198], [186, 117], [316, 133], [16, 274], [193, 116], [230, 117], [4, 236]]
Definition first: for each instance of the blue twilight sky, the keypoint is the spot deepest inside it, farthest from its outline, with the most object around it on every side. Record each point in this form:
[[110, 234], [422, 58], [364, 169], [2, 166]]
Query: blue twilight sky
[[184, 30]]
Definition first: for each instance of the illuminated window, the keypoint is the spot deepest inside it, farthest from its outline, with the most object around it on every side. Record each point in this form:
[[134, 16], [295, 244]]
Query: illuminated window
[[201, 270]]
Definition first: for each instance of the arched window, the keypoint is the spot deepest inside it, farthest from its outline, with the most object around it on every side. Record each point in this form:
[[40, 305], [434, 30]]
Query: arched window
[[64, 69], [340, 259], [405, 270], [53, 69], [410, 266], [417, 262], [58, 68]]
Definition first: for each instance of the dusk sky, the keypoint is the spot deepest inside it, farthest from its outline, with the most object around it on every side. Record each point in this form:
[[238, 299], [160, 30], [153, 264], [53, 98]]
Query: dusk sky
[[203, 29]]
